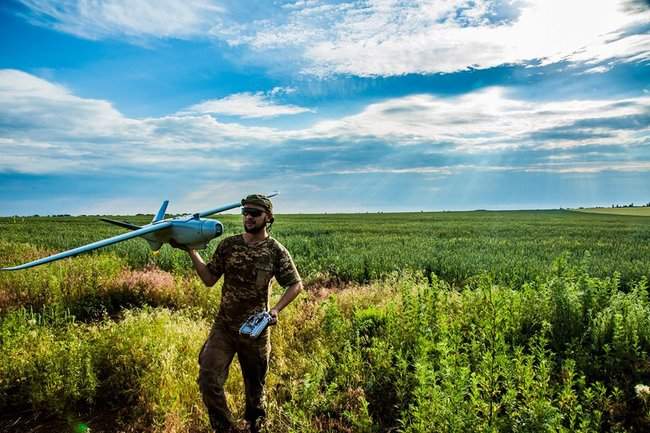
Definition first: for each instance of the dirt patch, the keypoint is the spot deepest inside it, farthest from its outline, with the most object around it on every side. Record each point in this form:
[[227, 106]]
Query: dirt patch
[[322, 287]]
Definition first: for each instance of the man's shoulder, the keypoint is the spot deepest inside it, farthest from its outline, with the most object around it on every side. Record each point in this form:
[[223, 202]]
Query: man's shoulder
[[276, 245], [270, 248], [228, 244], [232, 240]]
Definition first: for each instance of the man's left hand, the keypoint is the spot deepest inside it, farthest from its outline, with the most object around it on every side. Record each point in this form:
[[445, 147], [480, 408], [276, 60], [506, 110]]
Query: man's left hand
[[274, 316]]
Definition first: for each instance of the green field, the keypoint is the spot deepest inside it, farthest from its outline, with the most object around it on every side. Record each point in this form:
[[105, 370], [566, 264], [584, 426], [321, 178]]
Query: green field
[[631, 211], [512, 246], [513, 321]]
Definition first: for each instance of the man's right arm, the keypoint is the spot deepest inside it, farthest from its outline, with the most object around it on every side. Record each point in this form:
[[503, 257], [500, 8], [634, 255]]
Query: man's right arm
[[207, 276]]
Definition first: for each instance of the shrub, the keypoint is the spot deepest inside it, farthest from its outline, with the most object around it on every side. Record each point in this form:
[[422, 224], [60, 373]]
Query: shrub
[[43, 366]]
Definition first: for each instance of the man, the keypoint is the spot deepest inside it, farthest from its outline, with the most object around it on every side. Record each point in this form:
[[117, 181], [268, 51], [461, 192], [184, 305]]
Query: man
[[248, 262]]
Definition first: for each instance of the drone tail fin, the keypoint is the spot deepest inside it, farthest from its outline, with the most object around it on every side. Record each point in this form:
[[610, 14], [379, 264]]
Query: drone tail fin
[[161, 212], [123, 224]]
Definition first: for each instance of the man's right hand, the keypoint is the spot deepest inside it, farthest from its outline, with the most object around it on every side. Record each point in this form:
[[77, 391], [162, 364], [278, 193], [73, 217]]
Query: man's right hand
[[201, 268]]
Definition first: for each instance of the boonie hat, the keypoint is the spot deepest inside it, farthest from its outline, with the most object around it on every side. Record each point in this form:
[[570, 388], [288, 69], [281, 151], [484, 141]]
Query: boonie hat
[[258, 200]]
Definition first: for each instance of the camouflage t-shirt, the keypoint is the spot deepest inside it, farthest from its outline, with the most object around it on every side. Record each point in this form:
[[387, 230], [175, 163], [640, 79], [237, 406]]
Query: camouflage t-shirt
[[247, 271]]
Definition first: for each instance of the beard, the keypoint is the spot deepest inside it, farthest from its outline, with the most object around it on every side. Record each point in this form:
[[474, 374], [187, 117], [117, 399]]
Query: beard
[[254, 229]]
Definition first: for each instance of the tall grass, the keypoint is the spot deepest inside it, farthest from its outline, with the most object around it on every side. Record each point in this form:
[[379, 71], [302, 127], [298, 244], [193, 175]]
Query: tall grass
[[412, 322], [94, 286], [410, 353], [141, 368]]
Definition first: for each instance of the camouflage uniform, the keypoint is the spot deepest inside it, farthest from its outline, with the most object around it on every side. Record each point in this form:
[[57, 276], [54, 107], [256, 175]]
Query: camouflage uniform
[[247, 271]]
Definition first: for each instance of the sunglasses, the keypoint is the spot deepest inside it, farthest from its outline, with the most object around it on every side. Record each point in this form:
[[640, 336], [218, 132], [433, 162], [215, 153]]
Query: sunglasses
[[251, 211]]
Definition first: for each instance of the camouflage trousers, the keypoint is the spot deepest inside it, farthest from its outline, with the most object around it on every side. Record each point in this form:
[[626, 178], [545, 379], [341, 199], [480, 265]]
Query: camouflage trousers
[[214, 362]]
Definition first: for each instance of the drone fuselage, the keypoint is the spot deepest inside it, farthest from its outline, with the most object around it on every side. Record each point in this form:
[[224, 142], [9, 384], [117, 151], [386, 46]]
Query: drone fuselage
[[191, 231]]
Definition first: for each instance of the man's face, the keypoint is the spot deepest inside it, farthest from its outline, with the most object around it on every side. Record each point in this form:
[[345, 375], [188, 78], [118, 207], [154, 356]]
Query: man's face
[[254, 218]]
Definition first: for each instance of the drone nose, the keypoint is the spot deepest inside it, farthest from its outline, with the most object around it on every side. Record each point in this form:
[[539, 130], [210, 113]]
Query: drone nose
[[212, 228], [218, 229]]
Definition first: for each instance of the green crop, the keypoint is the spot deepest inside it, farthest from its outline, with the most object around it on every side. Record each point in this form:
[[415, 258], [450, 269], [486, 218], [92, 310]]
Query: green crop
[[528, 321], [514, 247]]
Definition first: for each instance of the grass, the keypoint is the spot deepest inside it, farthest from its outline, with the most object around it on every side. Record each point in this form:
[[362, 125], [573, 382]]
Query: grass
[[565, 354], [420, 322], [514, 247]]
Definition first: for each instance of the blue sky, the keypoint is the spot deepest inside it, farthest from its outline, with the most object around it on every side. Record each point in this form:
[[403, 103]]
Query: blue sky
[[112, 106]]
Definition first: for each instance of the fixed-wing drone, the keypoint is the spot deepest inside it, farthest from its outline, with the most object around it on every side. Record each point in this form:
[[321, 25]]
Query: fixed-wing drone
[[189, 230]]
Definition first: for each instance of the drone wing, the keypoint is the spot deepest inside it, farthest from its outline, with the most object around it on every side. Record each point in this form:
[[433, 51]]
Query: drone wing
[[219, 209], [99, 244], [226, 207]]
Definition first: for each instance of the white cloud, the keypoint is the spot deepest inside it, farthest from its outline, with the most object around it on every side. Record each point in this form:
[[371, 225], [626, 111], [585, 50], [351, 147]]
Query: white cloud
[[380, 170], [124, 18], [392, 37], [485, 121], [248, 105], [37, 100], [44, 128], [377, 37], [559, 168], [591, 168], [597, 70]]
